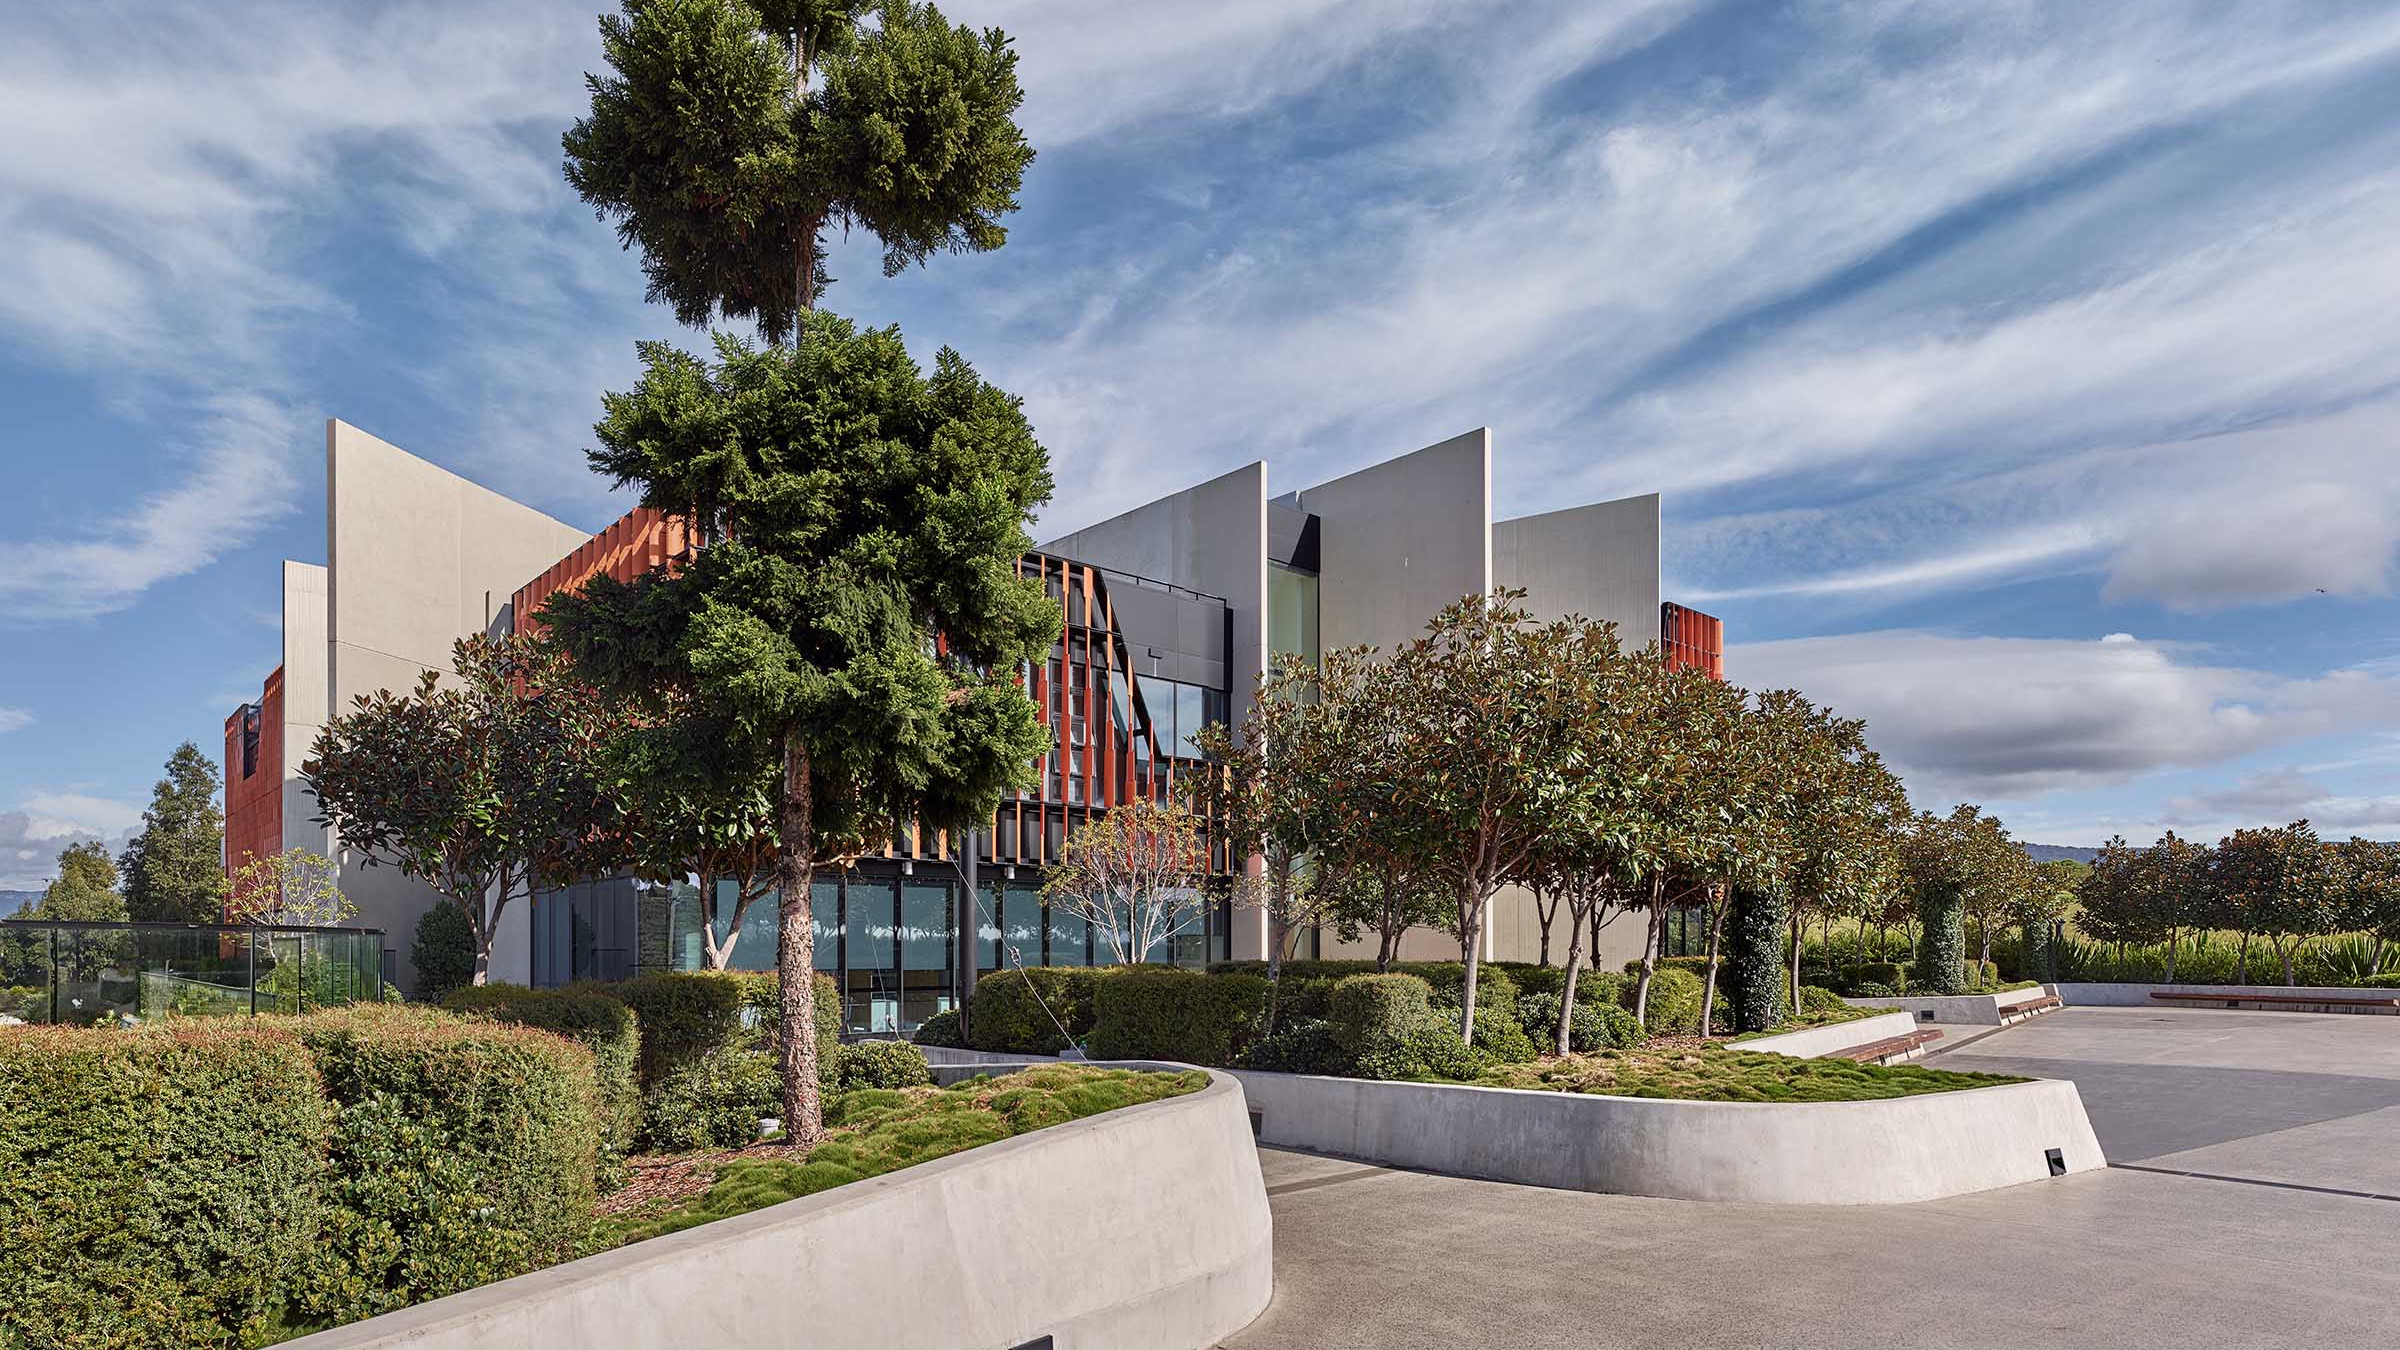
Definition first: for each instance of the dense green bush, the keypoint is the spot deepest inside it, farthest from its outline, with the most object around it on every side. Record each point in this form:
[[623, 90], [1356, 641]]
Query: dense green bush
[[1368, 1010], [2381, 982], [1306, 1045], [1448, 981], [684, 1016], [941, 1029], [715, 1101], [1303, 999], [1159, 1012], [591, 1017], [1500, 1036], [1429, 1047], [443, 951], [1815, 999], [1024, 1011], [876, 1064], [1674, 1001], [463, 1152], [157, 1187], [1597, 1026], [1942, 945], [1871, 989], [1752, 981], [1889, 974]]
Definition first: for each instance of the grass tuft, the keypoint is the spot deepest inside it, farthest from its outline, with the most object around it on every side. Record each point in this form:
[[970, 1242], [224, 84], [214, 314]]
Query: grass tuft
[[1718, 1074]]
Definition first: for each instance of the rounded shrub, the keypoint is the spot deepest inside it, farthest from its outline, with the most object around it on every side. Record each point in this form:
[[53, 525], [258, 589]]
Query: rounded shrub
[[463, 1152], [683, 1015], [1674, 1001], [941, 1029], [1159, 1012], [1889, 974], [1501, 1037], [1815, 999], [1371, 1009], [1870, 989], [715, 1101], [1448, 981], [443, 951], [157, 1187], [1942, 946], [1596, 1026], [1427, 1048], [1305, 1045], [877, 1064], [1025, 1011], [587, 1015]]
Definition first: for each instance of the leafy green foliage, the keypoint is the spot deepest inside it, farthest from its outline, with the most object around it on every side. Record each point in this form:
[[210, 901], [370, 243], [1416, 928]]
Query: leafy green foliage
[[1426, 1048], [683, 1015], [1674, 1009], [1596, 1025], [715, 163], [715, 1100], [463, 1152], [1180, 1016], [876, 1064], [1025, 1011], [590, 1016], [85, 888], [2282, 883], [1367, 1010], [1754, 974], [443, 951], [942, 1029], [157, 1187], [1717, 1074], [884, 1131], [175, 868], [1299, 1045]]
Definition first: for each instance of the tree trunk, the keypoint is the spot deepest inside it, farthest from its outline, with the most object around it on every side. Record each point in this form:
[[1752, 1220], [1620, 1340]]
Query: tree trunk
[[1566, 1004], [1278, 932], [1799, 935], [1718, 904], [2241, 960], [1470, 917], [2284, 953], [1545, 917], [795, 949], [2173, 936], [1658, 923]]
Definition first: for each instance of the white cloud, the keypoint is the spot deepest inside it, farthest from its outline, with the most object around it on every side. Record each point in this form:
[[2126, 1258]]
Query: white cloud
[[15, 719], [2284, 795], [1996, 717], [32, 836]]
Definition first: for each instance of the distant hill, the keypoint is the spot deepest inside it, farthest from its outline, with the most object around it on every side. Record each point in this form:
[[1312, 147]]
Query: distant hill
[[2053, 852], [12, 901]]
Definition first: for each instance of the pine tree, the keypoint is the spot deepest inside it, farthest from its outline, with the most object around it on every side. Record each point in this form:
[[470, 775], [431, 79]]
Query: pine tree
[[856, 619], [174, 869]]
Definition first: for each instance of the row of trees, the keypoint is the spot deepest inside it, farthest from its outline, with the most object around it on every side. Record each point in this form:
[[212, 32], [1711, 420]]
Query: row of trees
[[2282, 883]]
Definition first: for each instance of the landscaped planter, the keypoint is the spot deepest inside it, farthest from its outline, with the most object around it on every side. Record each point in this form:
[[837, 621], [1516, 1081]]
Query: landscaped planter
[[1806, 1153], [2126, 995], [1811, 1042], [1957, 1009], [1143, 1226]]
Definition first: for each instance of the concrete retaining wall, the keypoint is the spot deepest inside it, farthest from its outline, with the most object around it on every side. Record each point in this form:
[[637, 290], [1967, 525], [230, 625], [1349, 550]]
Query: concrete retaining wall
[[1956, 1009], [2114, 995], [1812, 1153], [1816, 1041], [1146, 1226]]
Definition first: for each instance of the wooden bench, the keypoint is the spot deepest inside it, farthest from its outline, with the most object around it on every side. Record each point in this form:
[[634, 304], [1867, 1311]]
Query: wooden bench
[[1885, 1051], [2031, 1006], [2377, 1003]]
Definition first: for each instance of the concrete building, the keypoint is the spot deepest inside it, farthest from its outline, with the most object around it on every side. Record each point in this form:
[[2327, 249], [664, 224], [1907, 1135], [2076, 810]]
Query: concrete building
[[1173, 609]]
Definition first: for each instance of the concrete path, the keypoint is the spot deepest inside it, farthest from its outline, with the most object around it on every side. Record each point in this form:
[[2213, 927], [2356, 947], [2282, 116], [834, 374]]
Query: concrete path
[[2299, 1116]]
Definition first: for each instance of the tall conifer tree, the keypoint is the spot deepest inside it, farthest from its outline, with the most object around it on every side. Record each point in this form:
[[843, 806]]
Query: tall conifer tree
[[174, 869]]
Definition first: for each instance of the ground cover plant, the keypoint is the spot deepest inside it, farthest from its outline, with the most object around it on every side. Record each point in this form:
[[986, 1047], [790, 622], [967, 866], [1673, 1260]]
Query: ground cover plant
[[1717, 1073], [877, 1130]]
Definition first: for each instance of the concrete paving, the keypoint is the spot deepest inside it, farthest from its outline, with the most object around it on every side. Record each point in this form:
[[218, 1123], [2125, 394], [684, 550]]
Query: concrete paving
[[2292, 1120]]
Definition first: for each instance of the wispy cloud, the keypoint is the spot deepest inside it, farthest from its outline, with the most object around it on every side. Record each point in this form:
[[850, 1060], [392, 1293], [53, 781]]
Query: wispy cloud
[[15, 719]]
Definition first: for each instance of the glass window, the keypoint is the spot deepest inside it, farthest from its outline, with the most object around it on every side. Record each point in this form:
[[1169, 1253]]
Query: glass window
[[1021, 917], [926, 922], [987, 926], [1190, 716], [1291, 613], [871, 993], [1067, 938]]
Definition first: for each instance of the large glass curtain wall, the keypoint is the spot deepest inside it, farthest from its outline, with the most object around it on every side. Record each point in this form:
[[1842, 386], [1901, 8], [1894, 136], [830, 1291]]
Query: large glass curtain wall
[[889, 941], [86, 974]]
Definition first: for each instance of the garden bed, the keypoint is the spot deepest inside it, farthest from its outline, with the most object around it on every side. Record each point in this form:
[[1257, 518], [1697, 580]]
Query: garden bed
[[1719, 1073]]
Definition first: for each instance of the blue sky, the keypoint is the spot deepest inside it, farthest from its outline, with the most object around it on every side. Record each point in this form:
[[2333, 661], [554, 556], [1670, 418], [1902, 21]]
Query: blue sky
[[2022, 377]]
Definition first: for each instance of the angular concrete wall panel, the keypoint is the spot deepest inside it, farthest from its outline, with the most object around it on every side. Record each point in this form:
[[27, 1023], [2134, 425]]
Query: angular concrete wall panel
[[1600, 561], [1402, 540]]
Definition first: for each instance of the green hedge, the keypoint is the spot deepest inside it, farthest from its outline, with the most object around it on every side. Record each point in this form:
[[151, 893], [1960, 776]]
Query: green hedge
[[1942, 946], [715, 1101], [684, 1015], [443, 951], [877, 1064], [1887, 974], [590, 1016], [1022, 1011], [2380, 982], [1428, 1047], [709, 1068], [157, 1187], [1674, 1001], [1814, 999], [1368, 1009], [1305, 1045], [1159, 1012], [463, 1152], [1753, 980], [1448, 980], [1500, 1036], [1596, 1026], [941, 1029]]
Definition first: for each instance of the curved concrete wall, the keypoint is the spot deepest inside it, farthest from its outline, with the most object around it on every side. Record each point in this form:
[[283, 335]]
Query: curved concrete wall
[[1146, 1226], [1815, 1041], [1808, 1153], [2138, 995]]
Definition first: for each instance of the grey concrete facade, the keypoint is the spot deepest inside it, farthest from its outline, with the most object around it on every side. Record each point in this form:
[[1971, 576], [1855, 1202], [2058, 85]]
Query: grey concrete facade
[[1600, 561], [1145, 1226]]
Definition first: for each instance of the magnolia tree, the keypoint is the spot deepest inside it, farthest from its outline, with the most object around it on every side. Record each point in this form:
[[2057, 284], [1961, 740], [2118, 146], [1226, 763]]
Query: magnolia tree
[[1945, 856], [2368, 900], [1136, 873], [2280, 883], [700, 801], [2046, 900], [292, 889], [485, 788], [1374, 874]]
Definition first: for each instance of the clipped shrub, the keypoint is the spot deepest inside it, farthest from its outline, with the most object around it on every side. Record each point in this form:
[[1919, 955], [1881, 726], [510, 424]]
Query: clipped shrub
[[1983, 976], [1533, 979], [684, 1016], [1025, 1011], [876, 1064], [1942, 943], [762, 1010], [1752, 980], [443, 951], [1371, 1009], [1304, 999], [1870, 989], [1427, 1048], [1501, 1037], [157, 1187], [1674, 1001], [941, 1029], [1159, 1012], [462, 1153], [715, 1101], [1597, 987], [1889, 974], [1815, 999], [1596, 1026], [589, 1016], [1448, 981], [1303, 1046], [2381, 982]]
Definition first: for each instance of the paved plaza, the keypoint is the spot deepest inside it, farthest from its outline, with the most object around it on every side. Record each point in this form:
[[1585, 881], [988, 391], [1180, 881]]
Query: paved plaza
[[2253, 1200]]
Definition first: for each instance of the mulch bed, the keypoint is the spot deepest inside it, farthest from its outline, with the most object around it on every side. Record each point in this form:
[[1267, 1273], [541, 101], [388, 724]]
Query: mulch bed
[[665, 1180]]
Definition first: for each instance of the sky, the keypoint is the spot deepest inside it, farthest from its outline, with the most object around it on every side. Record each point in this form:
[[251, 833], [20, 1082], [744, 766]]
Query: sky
[[2021, 377]]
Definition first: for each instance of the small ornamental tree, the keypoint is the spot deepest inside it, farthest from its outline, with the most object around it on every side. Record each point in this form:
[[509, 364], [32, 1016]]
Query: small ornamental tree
[[2369, 897], [2045, 902], [1940, 855], [700, 803], [2109, 897], [2284, 881], [2171, 892], [1844, 856], [1373, 874], [293, 889], [1485, 755], [485, 788], [175, 868], [1134, 873]]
